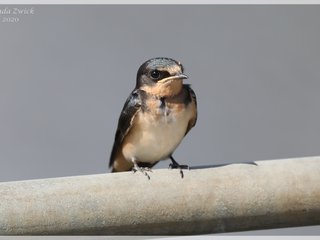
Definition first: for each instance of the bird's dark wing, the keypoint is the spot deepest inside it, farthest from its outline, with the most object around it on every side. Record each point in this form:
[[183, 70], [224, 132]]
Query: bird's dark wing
[[130, 108], [191, 99]]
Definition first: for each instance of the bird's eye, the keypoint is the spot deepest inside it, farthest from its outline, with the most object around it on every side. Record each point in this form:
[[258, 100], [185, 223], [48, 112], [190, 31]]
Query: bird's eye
[[155, 74]]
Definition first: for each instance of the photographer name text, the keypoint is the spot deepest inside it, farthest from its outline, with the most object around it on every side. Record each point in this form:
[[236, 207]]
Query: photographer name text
[[13, 15]]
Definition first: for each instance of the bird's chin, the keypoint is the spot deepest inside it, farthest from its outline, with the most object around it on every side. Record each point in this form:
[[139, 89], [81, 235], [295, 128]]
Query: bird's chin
[[170, 87], [167, 88]]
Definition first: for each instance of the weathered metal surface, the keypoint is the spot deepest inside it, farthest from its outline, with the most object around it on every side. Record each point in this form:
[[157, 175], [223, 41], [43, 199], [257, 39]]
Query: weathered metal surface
[[235, 197]]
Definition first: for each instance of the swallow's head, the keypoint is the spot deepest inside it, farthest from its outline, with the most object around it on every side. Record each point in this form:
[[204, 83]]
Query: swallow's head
[[161, 77]]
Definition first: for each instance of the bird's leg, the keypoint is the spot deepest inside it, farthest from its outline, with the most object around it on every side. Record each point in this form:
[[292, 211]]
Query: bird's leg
[[143, 170], [174, 164]]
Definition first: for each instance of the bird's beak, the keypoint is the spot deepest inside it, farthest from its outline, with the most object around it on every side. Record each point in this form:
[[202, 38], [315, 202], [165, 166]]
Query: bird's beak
[[176, 77]]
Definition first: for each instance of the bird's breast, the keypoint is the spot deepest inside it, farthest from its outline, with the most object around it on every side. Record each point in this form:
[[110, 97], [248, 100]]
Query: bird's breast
[[157, 131]]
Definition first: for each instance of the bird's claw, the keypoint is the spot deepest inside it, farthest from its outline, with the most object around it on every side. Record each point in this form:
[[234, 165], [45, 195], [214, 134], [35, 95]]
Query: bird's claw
[[173, 166], [143, 170], [180, 167]]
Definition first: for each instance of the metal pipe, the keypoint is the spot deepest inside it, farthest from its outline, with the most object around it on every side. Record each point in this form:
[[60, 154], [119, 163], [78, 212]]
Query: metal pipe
[[232, 197]]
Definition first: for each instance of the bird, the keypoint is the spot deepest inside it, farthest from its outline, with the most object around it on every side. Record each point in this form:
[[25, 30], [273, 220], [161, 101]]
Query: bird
[[155, 118]]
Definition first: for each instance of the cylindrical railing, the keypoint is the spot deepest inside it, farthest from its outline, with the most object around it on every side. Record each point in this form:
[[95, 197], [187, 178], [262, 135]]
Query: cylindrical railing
[[233, 197]]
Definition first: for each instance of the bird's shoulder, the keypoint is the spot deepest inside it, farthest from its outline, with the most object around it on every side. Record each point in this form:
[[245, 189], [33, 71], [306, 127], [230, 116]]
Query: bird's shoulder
[[191, 98]]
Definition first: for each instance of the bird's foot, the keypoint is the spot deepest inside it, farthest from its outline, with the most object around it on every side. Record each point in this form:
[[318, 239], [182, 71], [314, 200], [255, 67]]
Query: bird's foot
[[172, 166], [175, 165], [143, 170]]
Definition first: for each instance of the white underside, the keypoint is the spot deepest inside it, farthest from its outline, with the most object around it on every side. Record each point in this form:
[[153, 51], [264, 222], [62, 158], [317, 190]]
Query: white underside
[[157, 139]]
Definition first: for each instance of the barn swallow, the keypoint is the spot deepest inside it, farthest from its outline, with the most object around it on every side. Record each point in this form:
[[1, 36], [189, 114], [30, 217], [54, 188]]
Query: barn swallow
[[156, 116]]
